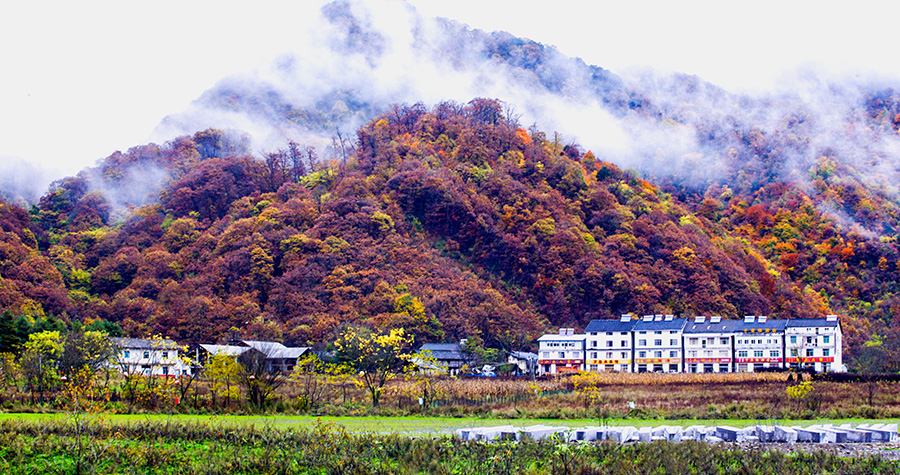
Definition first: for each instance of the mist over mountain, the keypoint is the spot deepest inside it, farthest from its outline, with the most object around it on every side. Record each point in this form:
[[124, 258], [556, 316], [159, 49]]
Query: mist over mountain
[[407, 171]]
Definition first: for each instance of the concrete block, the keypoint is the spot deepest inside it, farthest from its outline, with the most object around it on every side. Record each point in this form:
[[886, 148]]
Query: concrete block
[[892, 428], [494, 433], [765, 433], [785, 434], [810, 434], [588, 434], [540, 432], [645, 434], [726, 433], [693, 433]]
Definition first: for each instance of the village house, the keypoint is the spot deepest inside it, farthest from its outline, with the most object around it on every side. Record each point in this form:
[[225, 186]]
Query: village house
[[448, 358], [149, 357], [658, 344], [814, 343], [708, 345], [526, 363], [759, 344], [609, 344], [561, 353]]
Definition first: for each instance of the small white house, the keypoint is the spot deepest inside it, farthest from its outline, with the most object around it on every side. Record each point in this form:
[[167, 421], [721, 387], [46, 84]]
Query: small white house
[[562, 352], [149, 357]]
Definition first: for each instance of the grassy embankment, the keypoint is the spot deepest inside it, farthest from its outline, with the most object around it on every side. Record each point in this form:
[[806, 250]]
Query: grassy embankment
[[100, 444]]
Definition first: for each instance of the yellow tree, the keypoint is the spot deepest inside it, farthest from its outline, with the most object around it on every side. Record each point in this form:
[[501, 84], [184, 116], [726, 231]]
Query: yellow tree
[[223, 370], [38, 361], [375, 357]]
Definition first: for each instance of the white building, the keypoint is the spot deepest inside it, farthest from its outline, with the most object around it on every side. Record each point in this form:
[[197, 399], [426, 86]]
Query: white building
[[609, 345], [759, 344], [657, 344], [561, 353], [815, 343], [708, 345], [149, 357]]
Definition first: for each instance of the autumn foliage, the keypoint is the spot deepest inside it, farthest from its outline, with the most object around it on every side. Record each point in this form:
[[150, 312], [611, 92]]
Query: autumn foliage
[[448, 222]]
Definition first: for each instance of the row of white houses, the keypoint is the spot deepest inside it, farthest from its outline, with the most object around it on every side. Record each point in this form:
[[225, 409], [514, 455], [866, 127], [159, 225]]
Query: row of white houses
[[663, 343]]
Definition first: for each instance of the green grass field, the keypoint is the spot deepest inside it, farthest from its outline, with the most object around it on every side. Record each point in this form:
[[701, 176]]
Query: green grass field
[[412, 425]]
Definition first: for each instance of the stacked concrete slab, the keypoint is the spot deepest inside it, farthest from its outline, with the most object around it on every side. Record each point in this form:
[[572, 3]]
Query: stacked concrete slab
[[816, 434]]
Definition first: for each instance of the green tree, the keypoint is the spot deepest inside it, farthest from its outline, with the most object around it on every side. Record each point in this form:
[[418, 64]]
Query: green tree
[[375, 357], [10, 341], [39, 361], [84, 353]]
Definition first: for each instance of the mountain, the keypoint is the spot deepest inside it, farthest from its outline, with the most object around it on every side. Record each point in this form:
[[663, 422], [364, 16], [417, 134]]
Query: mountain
[[453, 219]]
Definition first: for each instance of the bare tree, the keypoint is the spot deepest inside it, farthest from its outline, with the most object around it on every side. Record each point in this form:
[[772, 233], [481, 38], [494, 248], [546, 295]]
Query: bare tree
[[258, 376]]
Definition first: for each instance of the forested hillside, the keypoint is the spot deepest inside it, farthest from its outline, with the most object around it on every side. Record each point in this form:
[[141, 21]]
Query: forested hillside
[[451, 222]]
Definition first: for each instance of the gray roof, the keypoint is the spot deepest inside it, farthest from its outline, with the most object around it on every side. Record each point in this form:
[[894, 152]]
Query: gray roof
[[444, 351], [144, 343], [289, 352], [523, 355], [811, 322], [609, 326], [273, 349], [724, 326], [225, 349], [674, 324]]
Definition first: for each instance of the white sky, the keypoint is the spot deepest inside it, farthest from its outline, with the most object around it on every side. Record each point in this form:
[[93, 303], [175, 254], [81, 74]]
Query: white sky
[[79, 80]]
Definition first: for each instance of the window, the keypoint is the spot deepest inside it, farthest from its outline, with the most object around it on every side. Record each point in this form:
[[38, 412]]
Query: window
[[794, 339], [758, 354], [657, 342], [146, 355], [609, 355], [672, 332], [642, 354], [673, 342], [623, 333], [642, 342], [624, 343], [165, 354], [657, 332], [692, 341], [126, 354], [774, 354], [809, 352], [594, 354], [593, 343], [826, 339], [657, 354], [742, 354], [609, 333], [165, 370], [562, 354], [723, 341], [825, 352], [624, 355], [811, 340], [642, 332], [673, 354], [546, 354], [609, 344]]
